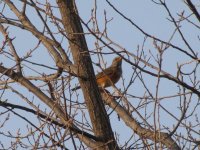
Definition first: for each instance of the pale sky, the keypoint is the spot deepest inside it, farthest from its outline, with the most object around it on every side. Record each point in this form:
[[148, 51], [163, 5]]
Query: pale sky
[[153, 19]]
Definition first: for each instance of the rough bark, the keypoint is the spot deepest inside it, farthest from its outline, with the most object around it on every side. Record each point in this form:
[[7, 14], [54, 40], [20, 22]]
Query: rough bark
[[161, 137], [100, 121]]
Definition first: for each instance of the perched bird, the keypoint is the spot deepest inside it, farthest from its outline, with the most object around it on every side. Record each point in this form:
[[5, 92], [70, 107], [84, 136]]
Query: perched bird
[[110, 75]]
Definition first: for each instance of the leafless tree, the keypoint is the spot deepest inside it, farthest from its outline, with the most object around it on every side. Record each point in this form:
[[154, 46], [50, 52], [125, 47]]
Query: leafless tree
[[44, 54]]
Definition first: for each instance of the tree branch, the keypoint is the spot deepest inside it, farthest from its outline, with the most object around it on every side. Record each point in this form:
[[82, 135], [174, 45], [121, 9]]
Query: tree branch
[[162, 137]]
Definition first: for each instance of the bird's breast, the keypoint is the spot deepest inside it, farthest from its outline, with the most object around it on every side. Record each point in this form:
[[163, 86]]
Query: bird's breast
[[109, 79]]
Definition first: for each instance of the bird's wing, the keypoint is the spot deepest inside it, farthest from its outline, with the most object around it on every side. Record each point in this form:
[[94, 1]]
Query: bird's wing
[[106, 72]]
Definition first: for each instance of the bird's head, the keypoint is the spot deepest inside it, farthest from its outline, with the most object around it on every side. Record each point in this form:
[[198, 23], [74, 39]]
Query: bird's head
[[117, 61]]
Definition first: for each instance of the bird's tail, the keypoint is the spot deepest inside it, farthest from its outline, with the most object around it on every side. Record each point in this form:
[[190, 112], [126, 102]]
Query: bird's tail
[[76, 88]]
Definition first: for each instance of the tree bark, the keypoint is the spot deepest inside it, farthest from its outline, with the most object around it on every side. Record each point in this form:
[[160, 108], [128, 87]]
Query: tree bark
[[161, 137], [100, 121]]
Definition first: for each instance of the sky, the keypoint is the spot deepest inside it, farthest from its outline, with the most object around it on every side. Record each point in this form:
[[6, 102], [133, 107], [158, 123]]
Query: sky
[[152, 18]]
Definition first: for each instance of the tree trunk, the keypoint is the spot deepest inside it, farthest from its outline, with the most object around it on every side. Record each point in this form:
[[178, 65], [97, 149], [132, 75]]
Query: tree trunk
[[100, 121]]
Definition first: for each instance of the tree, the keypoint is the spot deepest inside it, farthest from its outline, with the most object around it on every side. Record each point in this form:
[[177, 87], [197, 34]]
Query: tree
[[157, 98]]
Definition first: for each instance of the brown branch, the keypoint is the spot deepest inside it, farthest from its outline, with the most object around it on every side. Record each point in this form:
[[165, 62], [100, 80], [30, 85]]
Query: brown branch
[[178, 28], [51, 45], [53, 105], [193, 9], [151, 36], [162, 137], [164, 74], [13, 51], [46, 117], [10, 107]]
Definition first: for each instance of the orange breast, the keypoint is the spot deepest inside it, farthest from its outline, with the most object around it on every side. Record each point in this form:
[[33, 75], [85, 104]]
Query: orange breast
[[106, 81]]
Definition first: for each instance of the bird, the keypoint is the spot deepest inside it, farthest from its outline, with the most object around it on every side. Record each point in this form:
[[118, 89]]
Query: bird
[[109, 76]]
